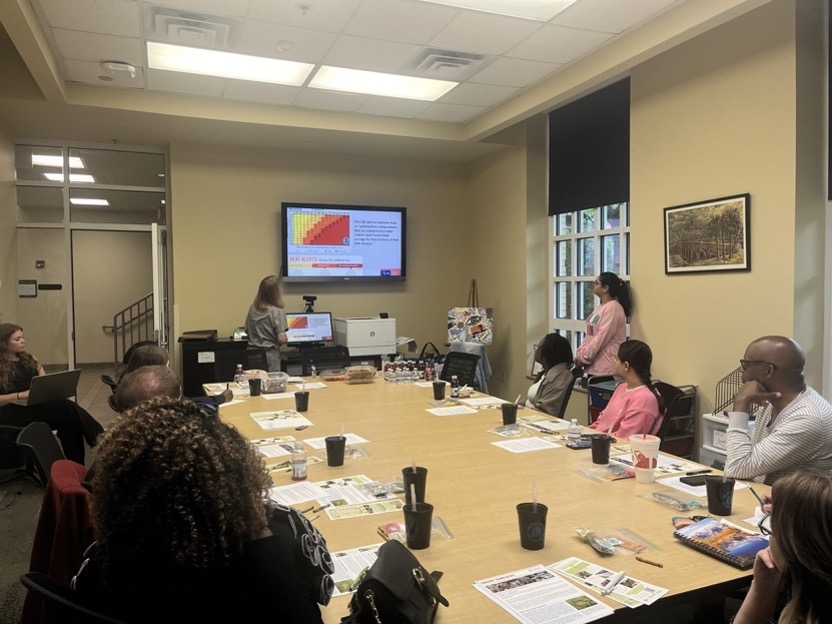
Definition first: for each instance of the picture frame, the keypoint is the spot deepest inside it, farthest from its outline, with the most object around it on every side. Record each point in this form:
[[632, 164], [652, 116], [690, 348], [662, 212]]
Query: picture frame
[[708, 236]]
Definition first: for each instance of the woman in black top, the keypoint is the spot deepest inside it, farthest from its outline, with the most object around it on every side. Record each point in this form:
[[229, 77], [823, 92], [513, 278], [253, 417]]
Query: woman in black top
[[73, 424], [184, 533]]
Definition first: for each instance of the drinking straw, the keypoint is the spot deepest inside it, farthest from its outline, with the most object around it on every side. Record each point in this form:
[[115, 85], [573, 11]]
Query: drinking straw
[[645, 429], [534, 498], [517, 399], [342, 426], [414, 465], [413, 497]]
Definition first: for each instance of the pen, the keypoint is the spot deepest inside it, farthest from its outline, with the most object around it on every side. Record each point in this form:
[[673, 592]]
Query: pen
[[318, 509], [697, 472], [384, 535], [753, 491], [307, 510], [648, 561], [614, 581], [314, 518]]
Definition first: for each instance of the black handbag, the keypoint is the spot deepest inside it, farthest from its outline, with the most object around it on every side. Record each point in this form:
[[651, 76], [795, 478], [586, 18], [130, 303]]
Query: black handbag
[[396, 589]]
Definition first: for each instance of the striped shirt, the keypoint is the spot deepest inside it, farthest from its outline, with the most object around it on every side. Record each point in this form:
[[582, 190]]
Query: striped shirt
[[799, 438]]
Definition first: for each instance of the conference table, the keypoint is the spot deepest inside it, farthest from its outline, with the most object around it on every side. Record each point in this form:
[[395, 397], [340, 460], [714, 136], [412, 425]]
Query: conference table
[[475, 486]]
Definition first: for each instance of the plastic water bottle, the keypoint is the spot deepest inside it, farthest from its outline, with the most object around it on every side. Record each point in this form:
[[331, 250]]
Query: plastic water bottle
[[454, 386], [239, 374], [299, 463], [574, 431]]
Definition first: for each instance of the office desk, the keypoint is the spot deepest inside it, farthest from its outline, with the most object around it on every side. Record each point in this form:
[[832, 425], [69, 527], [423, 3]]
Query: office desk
[[475, 486]]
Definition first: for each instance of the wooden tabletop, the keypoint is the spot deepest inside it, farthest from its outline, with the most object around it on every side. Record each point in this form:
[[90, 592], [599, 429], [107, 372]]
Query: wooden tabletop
[[475, 487]]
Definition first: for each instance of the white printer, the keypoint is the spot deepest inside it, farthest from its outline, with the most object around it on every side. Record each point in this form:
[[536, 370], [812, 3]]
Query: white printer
[[365, 336]]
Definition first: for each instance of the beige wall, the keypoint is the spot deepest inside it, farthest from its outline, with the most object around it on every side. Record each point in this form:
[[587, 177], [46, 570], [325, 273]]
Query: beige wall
[[103, 289], [8, 250]]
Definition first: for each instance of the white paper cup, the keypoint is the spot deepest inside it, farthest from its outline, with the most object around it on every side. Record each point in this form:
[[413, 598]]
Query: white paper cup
[[645, 451]]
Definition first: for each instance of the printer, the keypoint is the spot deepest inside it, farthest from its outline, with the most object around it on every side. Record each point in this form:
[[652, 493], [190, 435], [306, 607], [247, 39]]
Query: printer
[[365, 336]]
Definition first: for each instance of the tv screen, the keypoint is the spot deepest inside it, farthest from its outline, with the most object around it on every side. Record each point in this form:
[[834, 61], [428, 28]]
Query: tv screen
[[309, 327], [322, 242]]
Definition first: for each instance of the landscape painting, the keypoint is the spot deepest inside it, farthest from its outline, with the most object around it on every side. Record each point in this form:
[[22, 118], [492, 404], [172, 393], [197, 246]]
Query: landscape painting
[[711, 235]]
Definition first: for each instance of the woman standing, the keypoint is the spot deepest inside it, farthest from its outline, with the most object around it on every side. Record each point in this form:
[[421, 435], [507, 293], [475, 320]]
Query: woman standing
[[548, 392], [606, 327], [635, 408], [792, 578], [73, 424], [266, 322]]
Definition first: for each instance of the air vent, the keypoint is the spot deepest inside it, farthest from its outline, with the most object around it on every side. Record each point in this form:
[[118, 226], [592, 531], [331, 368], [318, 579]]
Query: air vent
[[191, 29], [448, 65]]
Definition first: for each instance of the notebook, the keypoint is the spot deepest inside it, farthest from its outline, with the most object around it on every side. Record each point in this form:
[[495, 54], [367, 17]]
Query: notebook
[[53, 386], [722, 541]]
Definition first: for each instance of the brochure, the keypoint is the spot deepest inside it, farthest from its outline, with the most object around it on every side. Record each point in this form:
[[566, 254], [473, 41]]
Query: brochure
[[277, 420], [529, 444], [272, 447], [348, 567], [628, 591]]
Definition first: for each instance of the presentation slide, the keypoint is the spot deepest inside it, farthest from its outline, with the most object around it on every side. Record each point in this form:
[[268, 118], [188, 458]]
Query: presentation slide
[[309, 327]]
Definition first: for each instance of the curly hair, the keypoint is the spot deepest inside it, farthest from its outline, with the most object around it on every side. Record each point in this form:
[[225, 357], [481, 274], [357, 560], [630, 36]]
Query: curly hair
[[177, 485], [7, 366]]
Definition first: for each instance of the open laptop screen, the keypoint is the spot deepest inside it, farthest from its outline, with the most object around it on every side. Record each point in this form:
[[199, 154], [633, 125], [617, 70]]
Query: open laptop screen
[[309, 327]]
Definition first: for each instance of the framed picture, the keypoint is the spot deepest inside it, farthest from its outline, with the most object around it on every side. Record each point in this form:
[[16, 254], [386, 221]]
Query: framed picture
[[708, 236]]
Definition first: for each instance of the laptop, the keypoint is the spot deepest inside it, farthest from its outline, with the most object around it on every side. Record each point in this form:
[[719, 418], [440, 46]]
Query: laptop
[[53, 386]]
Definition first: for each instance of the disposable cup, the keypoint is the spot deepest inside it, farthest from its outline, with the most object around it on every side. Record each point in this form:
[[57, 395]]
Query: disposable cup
[[335, 450], [417, 479], [509, 413], [439, 389], [301, 398], [418, 522], [600, 448], [719, 495], [645, 450], [531, 519], [255, 386]]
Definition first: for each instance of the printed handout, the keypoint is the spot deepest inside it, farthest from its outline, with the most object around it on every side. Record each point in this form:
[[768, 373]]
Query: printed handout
[[665, 465], [629, 591], [353, 490], [278, 420], [352, 439], [348, 566], [297, 493], [310, 386], [551, 425], [537, 595], [274, 446], [458, 409], [287, 395], [529, 444], [483, 401], [369, 508]]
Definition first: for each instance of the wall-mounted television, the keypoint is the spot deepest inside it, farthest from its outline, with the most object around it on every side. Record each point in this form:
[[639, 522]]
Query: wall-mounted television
[[327, 242], [309, 327]]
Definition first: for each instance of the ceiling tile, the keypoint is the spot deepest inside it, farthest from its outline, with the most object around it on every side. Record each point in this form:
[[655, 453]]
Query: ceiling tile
[[261, 38], [513, 72], [236, 8], [400, 107], [483, 33], [90, 71], [480, 95], [556, 44], [115, 17], [324, 15], [369, 54], [443, 112], [326, 99], [180, 82], [97, 47], [254, 92], [399, 21], [610, 16]]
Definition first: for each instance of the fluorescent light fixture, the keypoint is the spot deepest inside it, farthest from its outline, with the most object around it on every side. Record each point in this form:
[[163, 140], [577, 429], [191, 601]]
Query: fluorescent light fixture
[[379, 84], [74, 178], [55, 160], [83, 201], [539, 10], [226, 64]]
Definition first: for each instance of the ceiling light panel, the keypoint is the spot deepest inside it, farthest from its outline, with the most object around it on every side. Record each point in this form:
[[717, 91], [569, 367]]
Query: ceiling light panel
[[538, 10], [85, 201], [226, 64], [74, 178], [379, 83], [55, 160]]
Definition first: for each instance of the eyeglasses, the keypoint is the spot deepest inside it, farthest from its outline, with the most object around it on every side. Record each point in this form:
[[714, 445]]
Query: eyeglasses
[[764, 525], [745, 364]]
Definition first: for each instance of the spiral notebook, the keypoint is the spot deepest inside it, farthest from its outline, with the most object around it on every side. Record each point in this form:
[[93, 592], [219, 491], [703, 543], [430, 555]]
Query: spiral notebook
[[723, 541]]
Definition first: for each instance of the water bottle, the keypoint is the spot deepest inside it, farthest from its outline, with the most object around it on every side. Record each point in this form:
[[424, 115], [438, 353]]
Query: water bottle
[[454, 386], [239, 375], [299, 463], [574, 431]]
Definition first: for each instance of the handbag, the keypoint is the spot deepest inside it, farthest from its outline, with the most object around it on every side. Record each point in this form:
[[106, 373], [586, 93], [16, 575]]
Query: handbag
[[471, 324], [396, 589]]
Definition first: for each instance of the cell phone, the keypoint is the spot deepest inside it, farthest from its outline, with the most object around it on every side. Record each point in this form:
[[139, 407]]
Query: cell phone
[[694, 481], [581, 444]]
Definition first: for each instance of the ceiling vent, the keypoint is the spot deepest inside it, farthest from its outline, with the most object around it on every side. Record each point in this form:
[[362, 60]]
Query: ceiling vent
[[191, 29], [446, 65]]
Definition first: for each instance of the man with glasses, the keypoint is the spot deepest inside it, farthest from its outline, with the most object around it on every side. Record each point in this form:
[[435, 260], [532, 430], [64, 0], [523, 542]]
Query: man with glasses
[[792, 423]]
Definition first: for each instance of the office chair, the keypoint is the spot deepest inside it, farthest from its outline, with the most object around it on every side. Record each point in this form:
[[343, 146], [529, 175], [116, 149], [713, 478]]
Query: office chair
[[461, 365], [577, 373], [674, 437], [61, 603], [43, 449], [106, 379], [227, 360], [321, 358]]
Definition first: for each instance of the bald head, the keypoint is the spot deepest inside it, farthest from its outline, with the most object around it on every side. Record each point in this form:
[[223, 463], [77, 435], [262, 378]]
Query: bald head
[[146, 383], [784, 354]]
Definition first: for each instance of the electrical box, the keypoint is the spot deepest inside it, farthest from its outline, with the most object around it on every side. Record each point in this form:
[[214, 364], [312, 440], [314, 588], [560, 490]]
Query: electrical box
[[365, 336]]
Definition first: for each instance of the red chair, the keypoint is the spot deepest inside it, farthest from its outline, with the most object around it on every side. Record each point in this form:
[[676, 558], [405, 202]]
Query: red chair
[[64, 531]]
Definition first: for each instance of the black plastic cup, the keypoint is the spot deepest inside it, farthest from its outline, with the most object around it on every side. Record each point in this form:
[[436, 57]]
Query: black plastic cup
[[301, 398], [719, 495], [439, 389], [600, 447], [531, 518], [509, 414], [255, 386], [335, 450], [418, 523], [417, 479]]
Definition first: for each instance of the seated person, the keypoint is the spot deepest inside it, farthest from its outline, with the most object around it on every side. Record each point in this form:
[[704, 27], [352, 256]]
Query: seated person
[[183, 530], [792, 578], [157, 380], [548, 392], [793, 422], [635, 408]]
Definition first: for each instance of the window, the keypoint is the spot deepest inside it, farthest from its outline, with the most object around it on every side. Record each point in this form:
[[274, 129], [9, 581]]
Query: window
[[585, 244]]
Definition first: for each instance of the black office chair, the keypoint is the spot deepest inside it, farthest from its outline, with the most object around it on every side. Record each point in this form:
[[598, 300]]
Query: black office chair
[[321, 358], [43, 450], [678, 405], [228, 360], [577, 373], [62, 603], [461, 365]]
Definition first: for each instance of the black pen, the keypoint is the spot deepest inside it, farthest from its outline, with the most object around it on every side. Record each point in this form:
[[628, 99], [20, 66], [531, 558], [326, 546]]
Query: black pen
[[753, 491], [697, 472]]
